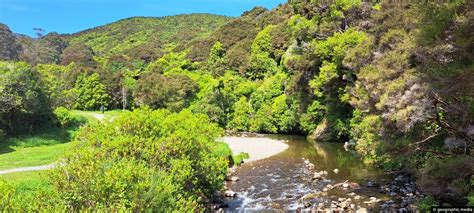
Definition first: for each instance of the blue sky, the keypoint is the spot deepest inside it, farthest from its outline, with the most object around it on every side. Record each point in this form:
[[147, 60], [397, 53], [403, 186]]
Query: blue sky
[[69, 16]]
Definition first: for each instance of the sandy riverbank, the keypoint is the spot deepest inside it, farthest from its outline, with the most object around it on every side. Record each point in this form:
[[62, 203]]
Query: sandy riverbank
[[257, 147]]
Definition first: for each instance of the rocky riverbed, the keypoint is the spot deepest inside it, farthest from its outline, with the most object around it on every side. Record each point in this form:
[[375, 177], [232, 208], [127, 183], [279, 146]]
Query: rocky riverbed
[[311, 178]]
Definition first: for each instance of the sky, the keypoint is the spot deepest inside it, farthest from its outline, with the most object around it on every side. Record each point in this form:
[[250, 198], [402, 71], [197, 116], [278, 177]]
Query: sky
[[69, 16]]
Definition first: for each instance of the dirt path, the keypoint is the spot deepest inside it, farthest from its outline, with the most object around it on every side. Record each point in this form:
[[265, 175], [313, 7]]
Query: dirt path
[[28, 169], [99, 117]]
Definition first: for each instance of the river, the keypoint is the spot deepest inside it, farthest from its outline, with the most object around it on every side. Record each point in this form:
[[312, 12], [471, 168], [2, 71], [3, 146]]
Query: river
[[285, 181]]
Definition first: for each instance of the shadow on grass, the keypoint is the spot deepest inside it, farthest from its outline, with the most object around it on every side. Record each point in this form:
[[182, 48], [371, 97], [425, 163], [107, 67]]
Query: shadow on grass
[[44, 137]]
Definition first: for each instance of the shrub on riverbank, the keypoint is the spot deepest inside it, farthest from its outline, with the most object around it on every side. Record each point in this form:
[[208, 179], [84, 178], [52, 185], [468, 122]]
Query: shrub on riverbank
[[156, 160]]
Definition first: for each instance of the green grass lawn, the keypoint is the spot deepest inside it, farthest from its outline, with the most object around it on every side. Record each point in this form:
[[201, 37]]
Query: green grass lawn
[[35, 149], [46, 146], [32, 156]]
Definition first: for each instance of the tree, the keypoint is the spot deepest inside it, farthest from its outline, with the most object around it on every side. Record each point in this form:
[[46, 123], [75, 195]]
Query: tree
[[242, 115], [24, 105], [9, 49], [261, 61], [217, 61], [55, 82], [80, 54], [90, 93], [284, 115], [174, 92]]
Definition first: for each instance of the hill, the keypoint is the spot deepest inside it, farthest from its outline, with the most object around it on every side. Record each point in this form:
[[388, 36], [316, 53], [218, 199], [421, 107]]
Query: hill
[[130, 33], [137, 37]]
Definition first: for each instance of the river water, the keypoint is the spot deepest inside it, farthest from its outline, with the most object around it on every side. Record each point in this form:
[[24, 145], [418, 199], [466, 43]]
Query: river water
[[282, 181]]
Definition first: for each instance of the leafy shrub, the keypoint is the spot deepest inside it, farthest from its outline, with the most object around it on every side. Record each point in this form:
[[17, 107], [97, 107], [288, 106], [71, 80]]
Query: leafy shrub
[[90, 93], [239, 159], [24, 104], [424, 204], [174, 92], [367, 132], [18, 197], [6, 194], [448, 179], [63, 116], [153, 160], [240, 118]]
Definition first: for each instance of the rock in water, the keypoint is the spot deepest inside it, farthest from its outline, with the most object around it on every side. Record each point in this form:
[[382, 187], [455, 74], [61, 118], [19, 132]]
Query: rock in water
[[319, 175], [234, 178], [336, 171], [229, 193], [372, 184]]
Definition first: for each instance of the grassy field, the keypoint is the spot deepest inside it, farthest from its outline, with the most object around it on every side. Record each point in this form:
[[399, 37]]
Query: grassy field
[[35, 149], [44, 147]]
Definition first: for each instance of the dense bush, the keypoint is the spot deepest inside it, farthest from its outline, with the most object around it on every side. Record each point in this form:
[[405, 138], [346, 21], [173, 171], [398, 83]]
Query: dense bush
[[89, 93], [63, 116], [174, 92], [144, 160], [449, 179], [24, 105]]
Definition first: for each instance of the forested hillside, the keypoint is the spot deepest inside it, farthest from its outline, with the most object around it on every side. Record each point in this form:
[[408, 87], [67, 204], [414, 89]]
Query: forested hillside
[[393, 80]]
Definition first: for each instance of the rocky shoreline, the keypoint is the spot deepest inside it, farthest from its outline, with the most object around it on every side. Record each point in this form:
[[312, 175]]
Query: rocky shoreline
[[400, 194]]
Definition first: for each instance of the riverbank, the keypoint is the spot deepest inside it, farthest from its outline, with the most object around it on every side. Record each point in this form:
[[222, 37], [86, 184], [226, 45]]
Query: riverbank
[[256, 147]]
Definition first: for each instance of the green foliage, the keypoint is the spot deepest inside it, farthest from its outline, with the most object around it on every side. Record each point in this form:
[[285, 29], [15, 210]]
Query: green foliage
[[425, 203], [312, 117], [90, 93], [261, 61], [25, 106], [128, 35], [2, 135], [301, 28], [448, 179], [80, 54], [63, 116], [327, 72], [57, 81], [171, 62], [241, 116], [153, 160], [262, 122], [284, 114], [216, 63], [347, 4], [335, 47], [174, 91], [366, 130], [435, 19], [240, 158]]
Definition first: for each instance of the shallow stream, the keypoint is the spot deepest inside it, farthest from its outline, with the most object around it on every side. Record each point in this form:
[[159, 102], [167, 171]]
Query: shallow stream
[[285, 181]]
